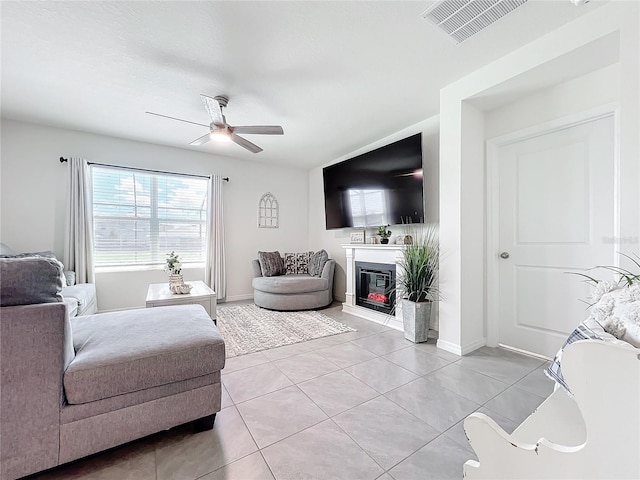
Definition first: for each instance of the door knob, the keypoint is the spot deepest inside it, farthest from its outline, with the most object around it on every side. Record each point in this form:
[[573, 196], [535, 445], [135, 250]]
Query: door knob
[[504, 255]]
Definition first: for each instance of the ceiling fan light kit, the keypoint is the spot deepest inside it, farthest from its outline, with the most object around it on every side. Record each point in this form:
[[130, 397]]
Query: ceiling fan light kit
[[221, 131], [220, 134]]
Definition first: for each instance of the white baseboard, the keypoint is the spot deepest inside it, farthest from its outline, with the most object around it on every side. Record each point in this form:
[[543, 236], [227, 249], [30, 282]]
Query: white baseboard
[[449, 347], [237, 298], [470, 347], [461, 350]]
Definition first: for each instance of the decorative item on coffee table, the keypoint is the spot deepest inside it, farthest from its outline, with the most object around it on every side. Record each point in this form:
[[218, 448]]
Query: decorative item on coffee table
[[174, 268], [384, 234], [418, 284]]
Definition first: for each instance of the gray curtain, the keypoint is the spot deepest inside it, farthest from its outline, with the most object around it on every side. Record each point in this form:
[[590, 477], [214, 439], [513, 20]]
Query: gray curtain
[[78, 242], [215, 270]]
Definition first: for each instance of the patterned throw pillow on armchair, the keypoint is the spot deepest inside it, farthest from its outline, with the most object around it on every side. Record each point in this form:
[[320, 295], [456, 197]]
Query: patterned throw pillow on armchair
[[296, 263]]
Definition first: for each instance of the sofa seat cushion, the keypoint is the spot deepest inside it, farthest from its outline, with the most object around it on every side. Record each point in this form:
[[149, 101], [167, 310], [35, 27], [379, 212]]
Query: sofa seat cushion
[[85, 294], [128, 351], [290, 284]]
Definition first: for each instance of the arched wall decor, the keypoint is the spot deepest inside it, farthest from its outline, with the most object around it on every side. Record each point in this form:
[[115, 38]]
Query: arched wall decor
[[268, 211]]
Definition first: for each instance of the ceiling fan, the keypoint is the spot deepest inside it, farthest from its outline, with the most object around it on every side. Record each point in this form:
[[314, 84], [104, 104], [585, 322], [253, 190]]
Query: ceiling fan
[[220, 130]]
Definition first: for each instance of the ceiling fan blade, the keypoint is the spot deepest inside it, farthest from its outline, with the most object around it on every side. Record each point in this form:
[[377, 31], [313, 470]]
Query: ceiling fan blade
[[243, 142], [260, 129], [174, 118], [213, 107], [202, 140]]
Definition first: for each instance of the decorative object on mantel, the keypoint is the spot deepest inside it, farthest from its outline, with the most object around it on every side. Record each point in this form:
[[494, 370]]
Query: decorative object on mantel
[[268, 211], [176, 281], [357, 236], [384, 234], [404, 240], [418, 284]]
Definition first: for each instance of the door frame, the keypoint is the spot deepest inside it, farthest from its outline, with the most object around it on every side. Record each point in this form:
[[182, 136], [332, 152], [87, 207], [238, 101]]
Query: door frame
[[492, 198]]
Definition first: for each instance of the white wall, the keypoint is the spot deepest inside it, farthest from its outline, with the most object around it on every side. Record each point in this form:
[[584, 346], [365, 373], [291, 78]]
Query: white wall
[[463, 269], [34, 187], [331, 240], [581, 94]]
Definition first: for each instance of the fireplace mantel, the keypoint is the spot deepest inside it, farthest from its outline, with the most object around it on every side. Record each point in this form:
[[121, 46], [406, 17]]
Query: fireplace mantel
[[391, 254]]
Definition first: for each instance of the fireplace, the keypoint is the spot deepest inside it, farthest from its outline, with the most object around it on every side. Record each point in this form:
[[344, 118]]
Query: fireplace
[[375, 286]]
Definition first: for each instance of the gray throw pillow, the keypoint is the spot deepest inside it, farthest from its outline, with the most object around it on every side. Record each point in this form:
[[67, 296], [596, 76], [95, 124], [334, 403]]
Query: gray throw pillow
[[316, 263], [29, 280], [296, 263], [45, 254], [271, 263]]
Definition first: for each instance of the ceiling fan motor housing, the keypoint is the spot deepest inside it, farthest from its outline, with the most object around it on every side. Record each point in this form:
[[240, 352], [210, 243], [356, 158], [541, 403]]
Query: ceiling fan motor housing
[[223, 100]]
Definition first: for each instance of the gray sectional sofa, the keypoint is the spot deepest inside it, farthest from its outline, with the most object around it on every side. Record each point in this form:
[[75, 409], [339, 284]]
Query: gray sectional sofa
[[300, 291], [70, 387]]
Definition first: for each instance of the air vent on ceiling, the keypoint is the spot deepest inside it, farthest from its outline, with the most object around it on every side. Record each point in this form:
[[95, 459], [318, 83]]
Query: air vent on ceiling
[[460, 19]]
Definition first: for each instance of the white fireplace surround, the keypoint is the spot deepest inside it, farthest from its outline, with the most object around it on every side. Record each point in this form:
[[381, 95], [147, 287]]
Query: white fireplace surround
[[390, 254]]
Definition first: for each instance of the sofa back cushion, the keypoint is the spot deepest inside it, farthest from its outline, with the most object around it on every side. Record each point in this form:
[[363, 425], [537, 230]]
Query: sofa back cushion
[[8, 253], [30, 280], [271, 263], [316, 263]]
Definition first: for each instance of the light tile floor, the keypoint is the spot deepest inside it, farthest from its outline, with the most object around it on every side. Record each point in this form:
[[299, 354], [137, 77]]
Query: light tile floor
[[360, 405]]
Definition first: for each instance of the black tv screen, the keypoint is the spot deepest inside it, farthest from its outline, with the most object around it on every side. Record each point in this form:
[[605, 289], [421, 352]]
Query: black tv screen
[[380, 187]]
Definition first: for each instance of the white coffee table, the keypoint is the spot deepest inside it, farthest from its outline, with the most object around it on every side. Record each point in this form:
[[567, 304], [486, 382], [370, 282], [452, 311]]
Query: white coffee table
[[159, 295]]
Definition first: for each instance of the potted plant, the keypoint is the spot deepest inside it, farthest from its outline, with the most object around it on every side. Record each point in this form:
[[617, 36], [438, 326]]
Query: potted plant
[[384, 234], [417, 283], [174, 268]]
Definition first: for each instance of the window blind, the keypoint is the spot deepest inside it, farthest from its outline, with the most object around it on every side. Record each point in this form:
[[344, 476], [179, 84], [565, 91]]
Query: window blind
[[139, 217]]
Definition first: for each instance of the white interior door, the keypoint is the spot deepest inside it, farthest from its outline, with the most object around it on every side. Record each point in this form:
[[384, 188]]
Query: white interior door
[[556, 214]]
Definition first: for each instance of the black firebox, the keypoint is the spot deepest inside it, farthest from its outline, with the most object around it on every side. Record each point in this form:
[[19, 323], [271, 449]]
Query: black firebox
[[375, 286]]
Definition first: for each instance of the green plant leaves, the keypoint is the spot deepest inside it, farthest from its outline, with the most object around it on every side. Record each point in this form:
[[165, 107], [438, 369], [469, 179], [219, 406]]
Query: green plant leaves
[[419, 279]]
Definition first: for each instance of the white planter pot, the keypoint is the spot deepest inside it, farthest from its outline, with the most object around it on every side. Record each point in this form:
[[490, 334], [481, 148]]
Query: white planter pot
[[416, 317]]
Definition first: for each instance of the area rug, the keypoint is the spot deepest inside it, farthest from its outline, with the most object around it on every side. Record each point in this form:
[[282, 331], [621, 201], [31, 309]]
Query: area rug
[[249, 329]]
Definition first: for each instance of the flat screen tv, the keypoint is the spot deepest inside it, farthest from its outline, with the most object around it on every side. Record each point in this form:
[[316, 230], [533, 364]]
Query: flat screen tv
[[380, 187]]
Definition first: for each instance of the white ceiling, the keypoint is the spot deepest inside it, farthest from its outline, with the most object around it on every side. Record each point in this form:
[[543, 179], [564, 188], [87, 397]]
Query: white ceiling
[[336, 75]]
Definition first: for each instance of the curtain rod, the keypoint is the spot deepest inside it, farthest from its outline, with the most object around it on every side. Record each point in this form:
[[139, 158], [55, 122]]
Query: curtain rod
[[63, 160]]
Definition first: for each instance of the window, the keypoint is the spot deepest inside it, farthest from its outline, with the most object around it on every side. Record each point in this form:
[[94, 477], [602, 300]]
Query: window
[[139, 217]]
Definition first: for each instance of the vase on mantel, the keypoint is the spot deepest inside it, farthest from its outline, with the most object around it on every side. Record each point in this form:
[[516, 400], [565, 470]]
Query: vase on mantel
[[175, 282]]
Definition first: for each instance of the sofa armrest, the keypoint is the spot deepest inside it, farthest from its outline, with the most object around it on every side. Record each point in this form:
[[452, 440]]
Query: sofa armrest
[[328, 270], [35, 348], [85, 294], [257, 271]]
